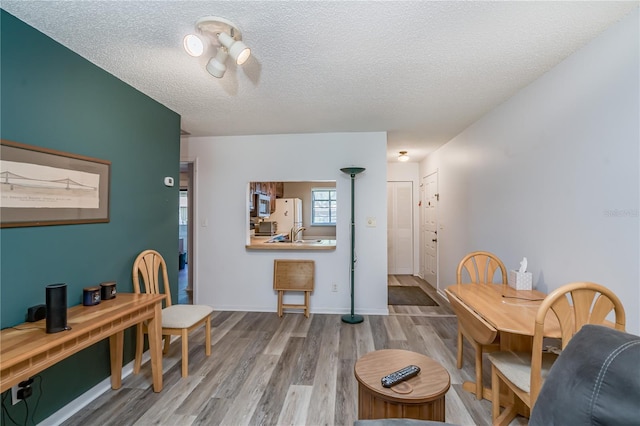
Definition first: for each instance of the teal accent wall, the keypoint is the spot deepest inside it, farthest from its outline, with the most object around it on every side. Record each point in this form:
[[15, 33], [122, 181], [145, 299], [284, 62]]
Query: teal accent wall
[[51, 97]]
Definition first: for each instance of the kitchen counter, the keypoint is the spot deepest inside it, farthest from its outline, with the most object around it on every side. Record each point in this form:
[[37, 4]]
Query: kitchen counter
[[261, 243]]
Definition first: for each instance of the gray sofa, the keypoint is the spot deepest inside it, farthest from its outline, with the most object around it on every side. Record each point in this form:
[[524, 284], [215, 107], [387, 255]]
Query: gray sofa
[[594, 381]]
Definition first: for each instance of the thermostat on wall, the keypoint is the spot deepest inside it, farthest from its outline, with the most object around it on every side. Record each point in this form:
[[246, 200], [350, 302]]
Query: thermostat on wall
[[168, 181]]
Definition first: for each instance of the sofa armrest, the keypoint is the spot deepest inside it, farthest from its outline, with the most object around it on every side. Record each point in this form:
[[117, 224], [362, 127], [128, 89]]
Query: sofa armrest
[[595, 380]]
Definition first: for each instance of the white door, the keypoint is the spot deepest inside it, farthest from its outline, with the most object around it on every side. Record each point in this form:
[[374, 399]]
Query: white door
[[429, 228], [400, 228], [422, 229]]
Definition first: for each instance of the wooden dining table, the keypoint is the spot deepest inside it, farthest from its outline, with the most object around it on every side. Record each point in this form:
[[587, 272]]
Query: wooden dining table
[[511, 312]]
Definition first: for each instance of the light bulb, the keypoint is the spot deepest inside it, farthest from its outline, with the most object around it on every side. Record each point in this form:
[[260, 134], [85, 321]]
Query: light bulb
[[237, 49], [403, 156], [193, 45]]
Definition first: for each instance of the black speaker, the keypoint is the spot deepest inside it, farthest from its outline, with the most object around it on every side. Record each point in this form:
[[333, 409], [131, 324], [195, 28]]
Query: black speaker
[[36, 313], [56, 308]]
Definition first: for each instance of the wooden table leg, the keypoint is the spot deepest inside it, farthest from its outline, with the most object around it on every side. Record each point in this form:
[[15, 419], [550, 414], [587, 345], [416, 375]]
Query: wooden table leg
[[154, 329], [116, 346], [471, 387], [306, 304]]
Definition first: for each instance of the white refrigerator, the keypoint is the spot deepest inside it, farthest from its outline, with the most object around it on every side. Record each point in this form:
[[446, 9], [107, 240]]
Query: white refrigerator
[[288, 214]]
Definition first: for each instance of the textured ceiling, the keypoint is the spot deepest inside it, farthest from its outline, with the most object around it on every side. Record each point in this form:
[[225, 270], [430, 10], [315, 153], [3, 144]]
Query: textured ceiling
[[422, 71]]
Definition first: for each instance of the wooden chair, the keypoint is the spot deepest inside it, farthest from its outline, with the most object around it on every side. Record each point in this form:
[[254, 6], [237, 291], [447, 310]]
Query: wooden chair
[[574, 305], [481, 267], [179, 320]]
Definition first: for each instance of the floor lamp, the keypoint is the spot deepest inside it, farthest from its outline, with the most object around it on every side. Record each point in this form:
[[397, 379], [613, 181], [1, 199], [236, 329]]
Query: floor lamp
[[352, 171]]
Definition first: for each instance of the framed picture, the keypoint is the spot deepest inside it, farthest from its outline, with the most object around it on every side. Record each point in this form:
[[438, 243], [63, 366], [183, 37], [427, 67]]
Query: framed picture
[[40, 186]]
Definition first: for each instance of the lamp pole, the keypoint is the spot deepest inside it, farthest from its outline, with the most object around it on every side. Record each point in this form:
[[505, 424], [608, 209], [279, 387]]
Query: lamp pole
[[352, 318]]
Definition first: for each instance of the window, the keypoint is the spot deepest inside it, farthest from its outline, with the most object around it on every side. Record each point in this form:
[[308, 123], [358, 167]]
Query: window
[[323, 206]]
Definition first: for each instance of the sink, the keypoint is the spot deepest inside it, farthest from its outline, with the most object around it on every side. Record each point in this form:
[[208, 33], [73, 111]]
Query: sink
[[300, 241], [282, 244]]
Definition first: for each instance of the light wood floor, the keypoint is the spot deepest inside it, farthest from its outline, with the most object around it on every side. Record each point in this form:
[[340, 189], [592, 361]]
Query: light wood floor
[[266, 370]]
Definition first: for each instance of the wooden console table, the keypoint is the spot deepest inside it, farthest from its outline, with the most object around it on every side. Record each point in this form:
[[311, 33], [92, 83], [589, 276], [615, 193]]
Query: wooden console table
[[27, 349]]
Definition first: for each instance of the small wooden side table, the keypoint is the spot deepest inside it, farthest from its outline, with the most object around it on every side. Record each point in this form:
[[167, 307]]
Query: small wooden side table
[[293, 275], [421, 397]]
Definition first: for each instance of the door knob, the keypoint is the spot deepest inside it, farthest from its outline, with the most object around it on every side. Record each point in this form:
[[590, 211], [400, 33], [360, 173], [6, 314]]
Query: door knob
[[435, 240]]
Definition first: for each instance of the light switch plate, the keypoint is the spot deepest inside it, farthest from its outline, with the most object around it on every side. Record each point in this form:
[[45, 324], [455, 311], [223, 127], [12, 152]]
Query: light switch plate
[[168, 181], [371, 222]]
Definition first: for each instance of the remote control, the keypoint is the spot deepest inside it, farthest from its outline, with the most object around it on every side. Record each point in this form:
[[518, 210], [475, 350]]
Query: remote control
[[400, 375]]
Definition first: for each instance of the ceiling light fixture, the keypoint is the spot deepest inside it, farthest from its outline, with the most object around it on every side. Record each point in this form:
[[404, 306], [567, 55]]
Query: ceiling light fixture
[[222, 34], [216, 66], [403, 156], [237, 49]]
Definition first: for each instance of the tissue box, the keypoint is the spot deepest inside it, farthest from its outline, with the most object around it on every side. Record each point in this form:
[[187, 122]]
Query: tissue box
[[520, 280]]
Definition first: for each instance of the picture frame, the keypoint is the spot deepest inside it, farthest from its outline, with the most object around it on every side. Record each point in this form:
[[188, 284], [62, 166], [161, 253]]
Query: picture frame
[[42, 186]]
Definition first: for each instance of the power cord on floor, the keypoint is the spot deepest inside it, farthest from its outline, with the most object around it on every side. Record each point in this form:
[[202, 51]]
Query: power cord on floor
[[5, 411], [39, 377]]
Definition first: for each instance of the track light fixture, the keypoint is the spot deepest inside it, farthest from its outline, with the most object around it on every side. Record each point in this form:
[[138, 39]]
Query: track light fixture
[[222, 34], [216, 66], [237, 49], [403, 156]]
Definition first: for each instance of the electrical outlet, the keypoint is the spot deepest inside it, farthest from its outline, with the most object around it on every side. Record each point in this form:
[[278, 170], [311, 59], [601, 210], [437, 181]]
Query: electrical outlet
[[14, 395], [21, 391], [334, 287]]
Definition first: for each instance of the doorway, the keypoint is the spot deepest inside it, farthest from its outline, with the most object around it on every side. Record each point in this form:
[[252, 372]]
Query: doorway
[[429, 229], [185, 235]]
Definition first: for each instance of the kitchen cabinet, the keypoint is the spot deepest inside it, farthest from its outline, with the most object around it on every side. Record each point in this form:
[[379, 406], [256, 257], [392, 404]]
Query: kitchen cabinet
[[252, 193], [272, 189]]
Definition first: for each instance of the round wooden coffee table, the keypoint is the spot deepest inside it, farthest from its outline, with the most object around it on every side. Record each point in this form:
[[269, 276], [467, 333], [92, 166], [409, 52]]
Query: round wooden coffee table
[[421, 397]]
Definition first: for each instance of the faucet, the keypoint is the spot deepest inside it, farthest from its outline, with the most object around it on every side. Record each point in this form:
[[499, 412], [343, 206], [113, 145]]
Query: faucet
[[294, 233]]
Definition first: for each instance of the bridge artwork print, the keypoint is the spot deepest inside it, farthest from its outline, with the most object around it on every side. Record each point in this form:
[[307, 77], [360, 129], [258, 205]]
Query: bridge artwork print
[[36, 186], [42, 186]]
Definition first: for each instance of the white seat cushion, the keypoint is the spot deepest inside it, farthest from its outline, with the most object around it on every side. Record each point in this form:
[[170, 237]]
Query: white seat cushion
[[516, 366], [184, 316]]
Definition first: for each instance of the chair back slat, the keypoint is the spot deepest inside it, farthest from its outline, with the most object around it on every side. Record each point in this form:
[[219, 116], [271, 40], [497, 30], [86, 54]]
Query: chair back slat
[[582, 303], [601, 309], [564, 312], [152, 269], [481, 267]]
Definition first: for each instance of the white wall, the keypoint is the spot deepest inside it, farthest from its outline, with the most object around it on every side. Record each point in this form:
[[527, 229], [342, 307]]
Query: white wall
[[230, 277], [409, 172], [553, 175]]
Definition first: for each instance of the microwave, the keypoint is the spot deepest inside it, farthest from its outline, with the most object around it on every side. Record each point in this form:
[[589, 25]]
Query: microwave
[[263, 205], [266, 228]]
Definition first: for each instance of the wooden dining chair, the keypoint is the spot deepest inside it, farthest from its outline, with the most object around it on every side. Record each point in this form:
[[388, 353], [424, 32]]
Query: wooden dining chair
[[481, 266], [574, 305], [177, 320]]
